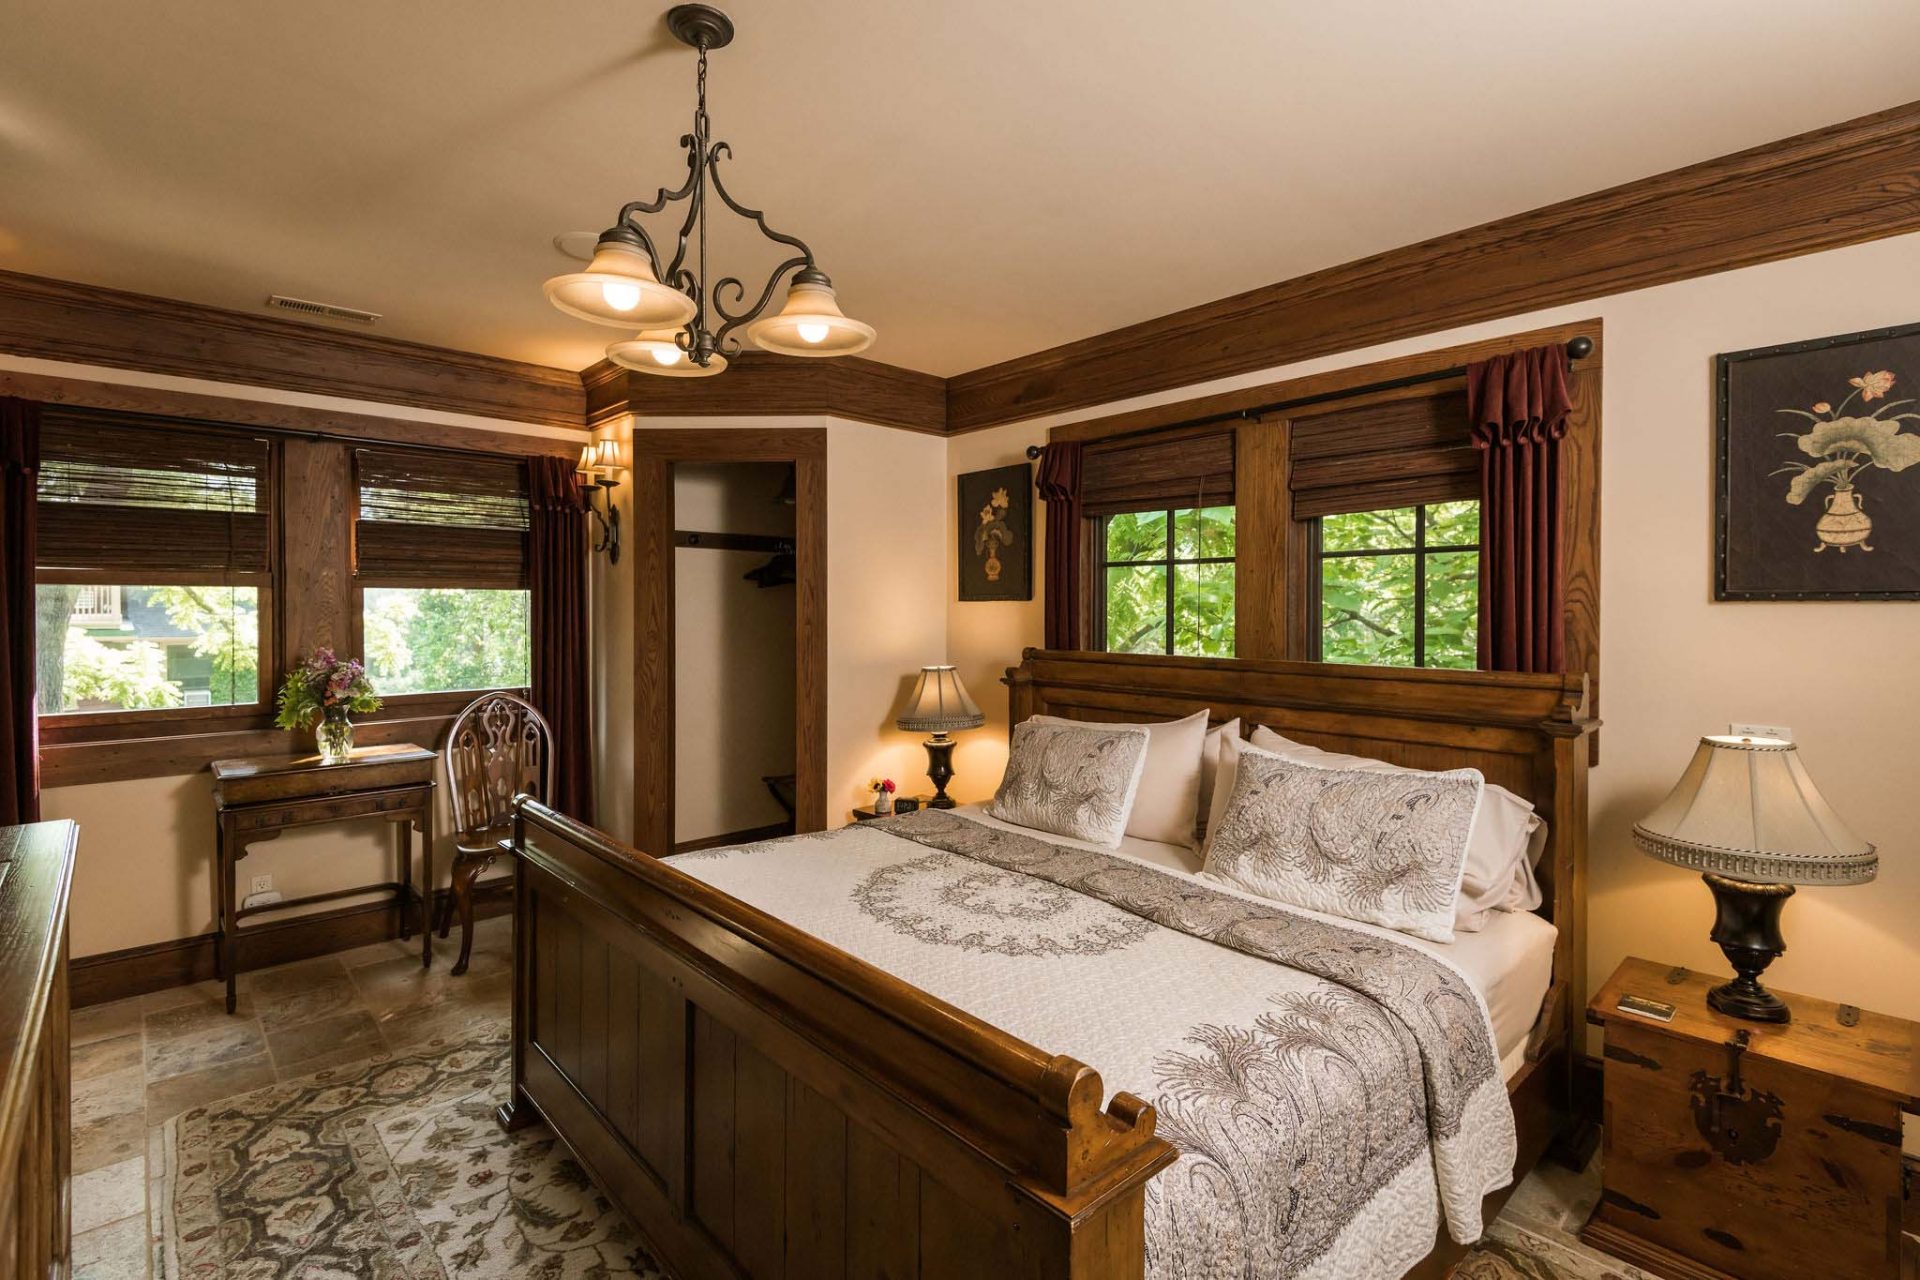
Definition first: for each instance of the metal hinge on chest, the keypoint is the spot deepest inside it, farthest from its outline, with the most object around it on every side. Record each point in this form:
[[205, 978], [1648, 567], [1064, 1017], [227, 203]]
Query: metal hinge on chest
[[1739, 1123]]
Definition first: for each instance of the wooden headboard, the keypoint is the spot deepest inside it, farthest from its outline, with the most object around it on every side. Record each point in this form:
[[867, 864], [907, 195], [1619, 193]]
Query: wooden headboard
[[1525, 732]]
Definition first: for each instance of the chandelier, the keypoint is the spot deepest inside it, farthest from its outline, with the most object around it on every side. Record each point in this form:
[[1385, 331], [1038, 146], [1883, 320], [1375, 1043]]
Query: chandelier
[[686, 321]]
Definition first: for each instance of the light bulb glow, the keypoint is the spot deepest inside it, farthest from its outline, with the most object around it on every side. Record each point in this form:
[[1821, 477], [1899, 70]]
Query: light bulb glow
[[666, 356], [812, 332], [620, 296]]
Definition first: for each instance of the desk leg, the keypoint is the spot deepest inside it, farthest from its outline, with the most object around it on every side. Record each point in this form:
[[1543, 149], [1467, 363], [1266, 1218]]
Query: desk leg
[[229, 926], [426, 884]]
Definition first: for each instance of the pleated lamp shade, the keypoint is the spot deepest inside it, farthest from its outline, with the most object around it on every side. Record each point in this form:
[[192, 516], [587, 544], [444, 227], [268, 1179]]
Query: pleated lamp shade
[[940, 703], [1746, 809]]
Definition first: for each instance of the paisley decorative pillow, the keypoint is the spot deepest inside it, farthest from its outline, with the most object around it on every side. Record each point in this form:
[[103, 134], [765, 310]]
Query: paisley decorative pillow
[[1382, 848], [1074, 780]]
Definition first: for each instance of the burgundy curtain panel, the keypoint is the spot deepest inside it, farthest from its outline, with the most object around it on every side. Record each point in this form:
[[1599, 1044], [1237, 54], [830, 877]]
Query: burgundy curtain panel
[[1060, 489], [557, 572], [1518, 404], [19, 719]]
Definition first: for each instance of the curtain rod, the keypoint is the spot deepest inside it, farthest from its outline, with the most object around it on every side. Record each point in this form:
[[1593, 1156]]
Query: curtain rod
[[1577, 349]]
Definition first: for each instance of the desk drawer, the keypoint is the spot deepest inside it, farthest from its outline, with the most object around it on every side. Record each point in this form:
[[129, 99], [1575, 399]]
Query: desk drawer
[[296, 813]]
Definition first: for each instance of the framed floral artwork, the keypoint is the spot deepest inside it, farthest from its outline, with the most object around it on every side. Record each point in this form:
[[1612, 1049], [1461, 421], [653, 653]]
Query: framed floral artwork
[[996, 533], [1817, 488]]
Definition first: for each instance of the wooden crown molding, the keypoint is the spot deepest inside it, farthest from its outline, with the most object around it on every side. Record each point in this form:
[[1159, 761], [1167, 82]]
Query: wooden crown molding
[[59, 320], [1833, 187], [757, 384]]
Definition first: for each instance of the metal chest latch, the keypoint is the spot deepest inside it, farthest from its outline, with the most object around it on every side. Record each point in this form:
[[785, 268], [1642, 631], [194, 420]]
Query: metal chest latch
[[1739, 1123]]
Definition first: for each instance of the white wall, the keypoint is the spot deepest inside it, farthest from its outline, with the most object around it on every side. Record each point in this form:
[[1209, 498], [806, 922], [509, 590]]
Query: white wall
[[733, 668], [144, 872], [1676, 664]]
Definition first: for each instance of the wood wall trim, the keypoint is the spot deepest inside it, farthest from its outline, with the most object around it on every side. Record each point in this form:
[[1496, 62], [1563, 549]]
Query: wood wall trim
[[757, 384], [60, 320], [242, 412], [1826, 189], [158, 966]]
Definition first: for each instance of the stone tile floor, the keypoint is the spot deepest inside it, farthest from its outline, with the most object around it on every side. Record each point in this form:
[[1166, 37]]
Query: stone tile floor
[[137, 1063]]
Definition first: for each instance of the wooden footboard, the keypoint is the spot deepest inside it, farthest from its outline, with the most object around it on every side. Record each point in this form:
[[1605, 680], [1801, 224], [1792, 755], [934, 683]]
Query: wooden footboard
[[764, 1105]]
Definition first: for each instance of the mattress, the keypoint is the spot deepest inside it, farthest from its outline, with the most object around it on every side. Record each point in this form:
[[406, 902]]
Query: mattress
[[1510, 962]]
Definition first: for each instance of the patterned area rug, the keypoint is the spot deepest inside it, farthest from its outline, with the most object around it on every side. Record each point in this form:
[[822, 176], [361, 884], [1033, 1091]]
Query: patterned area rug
[[1510, 1252], [390, 1168]]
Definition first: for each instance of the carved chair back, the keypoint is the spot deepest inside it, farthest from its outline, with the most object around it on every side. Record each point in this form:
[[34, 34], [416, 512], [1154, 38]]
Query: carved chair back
[[497, 748]]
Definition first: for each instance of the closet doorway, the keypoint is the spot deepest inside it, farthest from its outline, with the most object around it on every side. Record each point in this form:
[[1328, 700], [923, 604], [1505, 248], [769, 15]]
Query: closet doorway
[[729, 635]]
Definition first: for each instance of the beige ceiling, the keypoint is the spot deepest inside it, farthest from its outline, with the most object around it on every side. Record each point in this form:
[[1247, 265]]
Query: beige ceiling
[[981, 179]]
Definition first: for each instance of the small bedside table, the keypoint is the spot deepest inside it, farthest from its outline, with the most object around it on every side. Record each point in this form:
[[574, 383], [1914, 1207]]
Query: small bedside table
[[1746, 1149]]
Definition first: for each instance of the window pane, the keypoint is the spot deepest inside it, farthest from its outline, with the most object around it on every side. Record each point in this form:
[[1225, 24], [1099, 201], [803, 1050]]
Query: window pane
[[1453, 609], [147, 648], [1137, 609], [1366, 610], [1369, 530], [1453, 524], [1138, 535], [428, 639], [1203, 534], [1203, 610]]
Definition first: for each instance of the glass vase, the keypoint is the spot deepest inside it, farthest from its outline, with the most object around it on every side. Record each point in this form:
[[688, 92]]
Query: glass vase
[[335, 736]]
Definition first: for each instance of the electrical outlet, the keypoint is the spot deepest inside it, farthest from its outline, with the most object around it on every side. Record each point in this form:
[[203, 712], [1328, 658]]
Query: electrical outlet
[[261, 884], [1779, 731]]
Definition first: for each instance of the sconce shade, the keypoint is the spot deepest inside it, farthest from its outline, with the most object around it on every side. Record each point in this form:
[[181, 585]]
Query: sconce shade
[[654, 351], [1746, 809], [811, 323], [940, 703], [619, 288]]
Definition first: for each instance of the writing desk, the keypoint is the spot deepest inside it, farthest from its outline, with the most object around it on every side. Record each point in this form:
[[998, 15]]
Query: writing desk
[[258, 797]]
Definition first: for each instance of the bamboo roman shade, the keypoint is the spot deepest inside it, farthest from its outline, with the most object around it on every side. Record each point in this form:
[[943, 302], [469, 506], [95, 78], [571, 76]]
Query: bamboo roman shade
[[1372, 457], [151, 502], [1158, 472], [440, 520]]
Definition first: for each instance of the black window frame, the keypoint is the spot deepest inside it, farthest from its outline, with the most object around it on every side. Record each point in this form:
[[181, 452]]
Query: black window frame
[[1169, 561], [1318, 555]]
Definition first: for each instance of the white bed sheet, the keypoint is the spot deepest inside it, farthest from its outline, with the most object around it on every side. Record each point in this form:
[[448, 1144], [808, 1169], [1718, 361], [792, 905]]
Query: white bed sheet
[[1510, 962]]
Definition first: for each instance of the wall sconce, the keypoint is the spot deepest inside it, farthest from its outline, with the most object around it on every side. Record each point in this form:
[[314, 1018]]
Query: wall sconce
[[598, 473]]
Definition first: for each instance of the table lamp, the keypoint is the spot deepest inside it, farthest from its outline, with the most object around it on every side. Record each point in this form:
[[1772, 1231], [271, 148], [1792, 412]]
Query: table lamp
[[939, 705], [1746, 815]]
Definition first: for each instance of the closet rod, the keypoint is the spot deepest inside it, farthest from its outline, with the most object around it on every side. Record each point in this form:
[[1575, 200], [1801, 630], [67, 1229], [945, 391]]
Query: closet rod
[[771, 543], [1577, 349]]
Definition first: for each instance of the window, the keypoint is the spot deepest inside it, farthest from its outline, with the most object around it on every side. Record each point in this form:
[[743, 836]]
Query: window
[[1167, 581], [153, 553], [440, 554], [1399, 587]]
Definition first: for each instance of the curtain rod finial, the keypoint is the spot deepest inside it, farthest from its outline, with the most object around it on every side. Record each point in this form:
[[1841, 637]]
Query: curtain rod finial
[[1033, 451], [1580, 348]]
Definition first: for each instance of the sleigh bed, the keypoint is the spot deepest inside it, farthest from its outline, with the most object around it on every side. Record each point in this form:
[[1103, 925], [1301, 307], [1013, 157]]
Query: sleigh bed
[[764, 1103]]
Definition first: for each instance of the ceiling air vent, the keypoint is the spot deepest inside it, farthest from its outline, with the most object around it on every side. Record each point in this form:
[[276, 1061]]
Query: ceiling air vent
[[324, 309]]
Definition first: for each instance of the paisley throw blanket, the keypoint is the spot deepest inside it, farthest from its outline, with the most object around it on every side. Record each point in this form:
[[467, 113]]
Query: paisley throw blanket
[[1332, 1090]]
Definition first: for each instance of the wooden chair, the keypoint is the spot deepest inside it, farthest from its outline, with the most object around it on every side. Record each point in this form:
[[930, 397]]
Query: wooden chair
[[497, 747]]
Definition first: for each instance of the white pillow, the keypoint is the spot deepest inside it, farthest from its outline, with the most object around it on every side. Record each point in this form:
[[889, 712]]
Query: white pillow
[[1167, 804], [1210, 770], [1382, 847], [1072, 779], [1499, 871]]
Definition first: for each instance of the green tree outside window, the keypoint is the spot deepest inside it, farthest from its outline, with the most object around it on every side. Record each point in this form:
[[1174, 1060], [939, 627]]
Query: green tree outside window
[[1401, 587], [1168, 582]]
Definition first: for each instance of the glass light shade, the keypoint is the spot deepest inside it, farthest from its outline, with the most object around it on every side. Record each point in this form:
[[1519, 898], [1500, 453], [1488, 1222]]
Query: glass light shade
[[939, 703], [655, 352], [1746, 809], [619, 288], [811, 325]]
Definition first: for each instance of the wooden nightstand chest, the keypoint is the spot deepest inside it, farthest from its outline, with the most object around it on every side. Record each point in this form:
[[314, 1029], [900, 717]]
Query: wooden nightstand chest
[[1753, 1150]]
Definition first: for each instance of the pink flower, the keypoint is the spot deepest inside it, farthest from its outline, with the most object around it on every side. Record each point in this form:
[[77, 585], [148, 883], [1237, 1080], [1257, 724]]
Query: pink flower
[[1823, 407], [1873, 385]]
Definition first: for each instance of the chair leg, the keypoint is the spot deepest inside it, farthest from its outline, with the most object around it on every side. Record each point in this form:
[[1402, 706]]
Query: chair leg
[[466, 870]]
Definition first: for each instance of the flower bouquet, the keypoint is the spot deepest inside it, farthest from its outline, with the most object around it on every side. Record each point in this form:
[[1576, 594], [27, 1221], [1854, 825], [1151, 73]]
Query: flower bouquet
[[326, 689], [882, 789]]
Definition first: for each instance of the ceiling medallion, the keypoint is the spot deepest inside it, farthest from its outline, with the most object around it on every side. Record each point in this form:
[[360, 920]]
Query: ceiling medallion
[[686, 324]]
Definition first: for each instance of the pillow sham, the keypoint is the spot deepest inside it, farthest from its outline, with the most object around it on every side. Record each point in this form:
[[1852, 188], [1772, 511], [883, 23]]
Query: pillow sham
[[1210, 771], [1168, 799], [1498, 873], [1381, 848], [1072, 779]]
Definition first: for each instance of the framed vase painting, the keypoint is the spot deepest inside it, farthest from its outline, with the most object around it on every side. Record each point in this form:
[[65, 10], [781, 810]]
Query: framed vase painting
[[1817, 491], [996, 533]]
